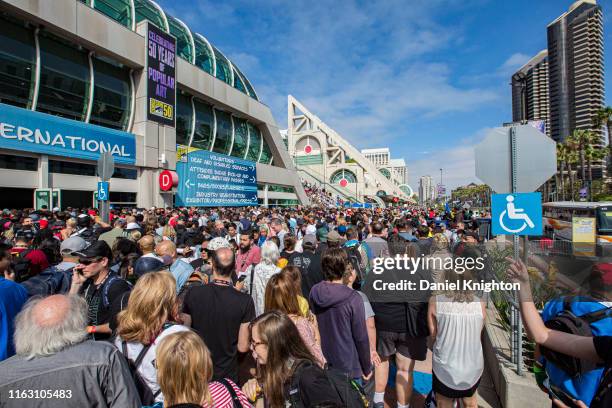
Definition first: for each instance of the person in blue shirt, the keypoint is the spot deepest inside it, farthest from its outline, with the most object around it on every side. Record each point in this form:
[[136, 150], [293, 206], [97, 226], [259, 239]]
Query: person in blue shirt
[[12, 298]]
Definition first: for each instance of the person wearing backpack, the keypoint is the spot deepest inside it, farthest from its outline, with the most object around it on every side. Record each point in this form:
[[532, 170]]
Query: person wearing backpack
[[102, 289], [57, 279], [569, 340], [149, 317], [27, 260], [358, 255], [288, 374]]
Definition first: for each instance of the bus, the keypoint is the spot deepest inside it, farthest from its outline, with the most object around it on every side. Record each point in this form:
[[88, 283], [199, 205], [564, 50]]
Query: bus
[[558, 218]]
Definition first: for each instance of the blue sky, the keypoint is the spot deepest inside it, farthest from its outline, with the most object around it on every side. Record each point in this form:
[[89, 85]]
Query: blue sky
[[426, 78]]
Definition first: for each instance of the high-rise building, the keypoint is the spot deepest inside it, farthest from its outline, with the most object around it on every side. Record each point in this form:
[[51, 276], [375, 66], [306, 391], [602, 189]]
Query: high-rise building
[[426, 190], [530, 91], [380, 156], [393, 169], [575, 68], [399, 170]]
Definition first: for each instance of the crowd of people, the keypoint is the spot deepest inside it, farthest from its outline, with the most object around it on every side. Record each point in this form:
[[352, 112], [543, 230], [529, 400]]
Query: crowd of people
[[237, 307]]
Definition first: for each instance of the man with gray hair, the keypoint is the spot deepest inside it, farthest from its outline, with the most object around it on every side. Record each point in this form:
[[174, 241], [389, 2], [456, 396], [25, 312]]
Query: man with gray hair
[[55, 366]]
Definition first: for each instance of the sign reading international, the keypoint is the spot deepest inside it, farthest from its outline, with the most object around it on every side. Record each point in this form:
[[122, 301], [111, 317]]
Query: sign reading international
[[209, 179], [161, 76]]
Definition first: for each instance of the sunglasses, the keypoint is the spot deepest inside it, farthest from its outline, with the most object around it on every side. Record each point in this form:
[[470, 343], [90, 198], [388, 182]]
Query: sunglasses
[[89, 261]]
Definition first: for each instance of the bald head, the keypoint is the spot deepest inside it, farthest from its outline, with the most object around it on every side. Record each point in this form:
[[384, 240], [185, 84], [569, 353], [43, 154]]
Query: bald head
[[146, 244], [223, 262], [166, 248], [51, 311], [46, 326]]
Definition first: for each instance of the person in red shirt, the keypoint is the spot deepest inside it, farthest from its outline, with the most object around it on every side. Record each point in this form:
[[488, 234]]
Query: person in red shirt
[[248, 254], [23, 247]]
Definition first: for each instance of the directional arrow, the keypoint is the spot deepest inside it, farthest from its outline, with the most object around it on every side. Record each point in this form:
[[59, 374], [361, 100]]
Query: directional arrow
[[253, 179], [188, 184]]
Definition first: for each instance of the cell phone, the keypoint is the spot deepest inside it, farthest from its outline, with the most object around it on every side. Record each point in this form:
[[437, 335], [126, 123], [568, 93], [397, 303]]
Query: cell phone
[[241, 278]]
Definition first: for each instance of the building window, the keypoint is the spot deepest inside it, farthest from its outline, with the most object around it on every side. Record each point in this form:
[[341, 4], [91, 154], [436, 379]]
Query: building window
[[112, 95], [125, 173], [122, 197], [223, 70], [147, 11], [339, 175], [17, 64], [241, 137], [184, 116], [266, 154], [11, 162], [64, 79], [238, 84], [223, 138], [255, 143], [183, 38], [203, 57], [65, 167], [205, 123], [118, 10]]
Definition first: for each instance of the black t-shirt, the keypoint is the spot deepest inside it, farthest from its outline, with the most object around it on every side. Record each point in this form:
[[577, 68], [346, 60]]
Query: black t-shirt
[[310, 266], [217, 311], [603, 347], [97, 312]]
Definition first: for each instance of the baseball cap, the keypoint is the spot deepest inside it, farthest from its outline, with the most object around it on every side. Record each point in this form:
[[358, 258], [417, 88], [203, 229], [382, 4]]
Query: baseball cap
[[147, 264], [322, 234], [97, 249], [334, 237], [217, 243], [132, 226], [342, 229], [43, 224], [72, 244], [309, 239], [34, 217]]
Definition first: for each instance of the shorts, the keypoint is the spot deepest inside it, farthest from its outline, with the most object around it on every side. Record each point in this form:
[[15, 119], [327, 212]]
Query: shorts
[[390, 343], [439, 388]]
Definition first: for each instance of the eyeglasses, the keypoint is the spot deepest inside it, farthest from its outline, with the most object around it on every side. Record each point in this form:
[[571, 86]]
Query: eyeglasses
[[89, 261], [254, 344]]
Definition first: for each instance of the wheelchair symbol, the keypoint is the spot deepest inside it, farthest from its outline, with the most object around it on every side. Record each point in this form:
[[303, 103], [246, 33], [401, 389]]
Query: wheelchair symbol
[[514, 213], [102, 194]]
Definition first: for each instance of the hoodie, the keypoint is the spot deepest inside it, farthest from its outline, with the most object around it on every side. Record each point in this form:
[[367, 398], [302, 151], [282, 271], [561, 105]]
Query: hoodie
[[341, 318]]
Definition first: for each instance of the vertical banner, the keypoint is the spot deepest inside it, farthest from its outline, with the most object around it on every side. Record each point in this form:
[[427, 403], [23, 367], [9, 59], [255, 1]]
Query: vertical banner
[[583, 236], [161, 76]]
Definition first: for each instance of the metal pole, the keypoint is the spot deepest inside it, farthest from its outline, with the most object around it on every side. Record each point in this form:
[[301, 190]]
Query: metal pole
[[517, 340]]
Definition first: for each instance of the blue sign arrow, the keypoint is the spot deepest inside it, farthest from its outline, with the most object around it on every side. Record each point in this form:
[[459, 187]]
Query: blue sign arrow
[[516, 214], [210, 179]]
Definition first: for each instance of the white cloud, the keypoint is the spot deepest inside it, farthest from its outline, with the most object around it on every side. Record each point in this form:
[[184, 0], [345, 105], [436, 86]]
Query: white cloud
[[514, 62]]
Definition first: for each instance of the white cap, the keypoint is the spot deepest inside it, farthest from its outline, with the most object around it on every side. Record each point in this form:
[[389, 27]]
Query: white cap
[[311, 229], [132, 226]]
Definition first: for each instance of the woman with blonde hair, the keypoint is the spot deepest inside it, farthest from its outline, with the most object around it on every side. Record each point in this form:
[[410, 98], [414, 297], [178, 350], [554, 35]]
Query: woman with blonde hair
[[282, 295], [184, 370], [456, 319], [151, 310], [71, 226], [169, 233]]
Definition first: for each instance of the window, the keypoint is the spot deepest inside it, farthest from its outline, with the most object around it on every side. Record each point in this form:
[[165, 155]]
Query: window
[[112, 95], [17, 64], [203, 56], [64, 167], [122, 197], [223, 138], [183, 38], [125, 173], [118, 10], [64, 79], [145, 10], [204, 125], [223, 69], [238, 84], [249, 88], [266, 154], [184, 116], [11, 162], [338, 176], [241, 137], [255, 143], [386, 173]]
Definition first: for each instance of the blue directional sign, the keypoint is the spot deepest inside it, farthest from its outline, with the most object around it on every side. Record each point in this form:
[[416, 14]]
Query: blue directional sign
[[208, 179], [103, 190], [516, 214]]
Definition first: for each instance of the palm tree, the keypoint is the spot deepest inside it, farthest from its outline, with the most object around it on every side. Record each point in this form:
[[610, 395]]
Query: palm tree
[[571, 158], [579, 140], [593, 154], [603, 117], [562, 152]]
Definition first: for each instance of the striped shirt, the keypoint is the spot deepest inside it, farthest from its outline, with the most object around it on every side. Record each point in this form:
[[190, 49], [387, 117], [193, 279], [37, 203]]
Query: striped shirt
[[222, 398]]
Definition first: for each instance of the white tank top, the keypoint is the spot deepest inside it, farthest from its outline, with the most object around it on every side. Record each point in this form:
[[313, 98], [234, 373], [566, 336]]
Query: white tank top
[[458, 361]]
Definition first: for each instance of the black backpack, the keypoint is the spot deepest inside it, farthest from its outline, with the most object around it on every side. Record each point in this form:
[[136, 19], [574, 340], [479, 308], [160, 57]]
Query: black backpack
[[21, 265], [350, 393], [51, 281], [235, 400], [358, 263], [566, 321]]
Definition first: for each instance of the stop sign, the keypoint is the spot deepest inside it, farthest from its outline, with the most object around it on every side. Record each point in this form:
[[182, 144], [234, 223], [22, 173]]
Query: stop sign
[[167, 180]]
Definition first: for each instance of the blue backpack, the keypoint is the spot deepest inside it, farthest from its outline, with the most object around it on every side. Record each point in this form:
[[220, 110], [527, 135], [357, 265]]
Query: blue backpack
[[51, 281]]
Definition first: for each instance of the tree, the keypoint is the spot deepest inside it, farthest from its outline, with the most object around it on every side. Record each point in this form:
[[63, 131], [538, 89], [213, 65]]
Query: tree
[[603, 117], [562, 153], [579, 140]]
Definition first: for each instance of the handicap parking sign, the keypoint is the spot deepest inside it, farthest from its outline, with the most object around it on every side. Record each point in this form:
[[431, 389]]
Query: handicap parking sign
[[516, 214], [103, 190]]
